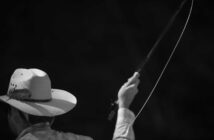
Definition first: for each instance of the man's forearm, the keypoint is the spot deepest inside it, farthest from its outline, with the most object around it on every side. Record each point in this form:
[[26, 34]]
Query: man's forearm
[[123, 128]]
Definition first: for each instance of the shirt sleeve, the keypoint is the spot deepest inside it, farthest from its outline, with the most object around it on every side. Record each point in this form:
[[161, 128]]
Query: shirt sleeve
[[123, 129]]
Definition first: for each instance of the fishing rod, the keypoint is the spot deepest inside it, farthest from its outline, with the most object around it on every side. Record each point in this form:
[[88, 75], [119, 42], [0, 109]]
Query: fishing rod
[[165, 30], [140, 68]]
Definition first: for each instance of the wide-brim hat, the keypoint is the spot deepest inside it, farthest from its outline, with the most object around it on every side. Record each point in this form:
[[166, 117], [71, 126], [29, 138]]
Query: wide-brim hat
[[30, 92]]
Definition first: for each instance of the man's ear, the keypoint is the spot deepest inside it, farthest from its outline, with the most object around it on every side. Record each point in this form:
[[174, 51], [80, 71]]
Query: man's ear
[[16, 122]]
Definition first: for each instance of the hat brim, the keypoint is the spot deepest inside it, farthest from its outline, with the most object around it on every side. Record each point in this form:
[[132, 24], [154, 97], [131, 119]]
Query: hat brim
[[62, 102]]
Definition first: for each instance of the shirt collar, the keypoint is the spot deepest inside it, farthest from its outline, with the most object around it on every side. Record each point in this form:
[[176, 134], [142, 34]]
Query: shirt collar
[[35, 127]]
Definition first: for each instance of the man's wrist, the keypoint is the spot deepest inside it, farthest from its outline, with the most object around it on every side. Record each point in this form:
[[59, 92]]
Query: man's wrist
[[122, 105], [125, 115]]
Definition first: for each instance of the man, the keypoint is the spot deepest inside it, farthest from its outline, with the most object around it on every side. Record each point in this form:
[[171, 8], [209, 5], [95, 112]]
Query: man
[[34, 104]]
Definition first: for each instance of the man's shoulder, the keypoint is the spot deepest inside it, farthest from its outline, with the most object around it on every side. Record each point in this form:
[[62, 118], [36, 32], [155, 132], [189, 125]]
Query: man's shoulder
[[76, 136], [54, 135]]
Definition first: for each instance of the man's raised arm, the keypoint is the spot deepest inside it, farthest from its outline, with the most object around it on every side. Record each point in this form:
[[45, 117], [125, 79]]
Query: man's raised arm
[[125, 117]]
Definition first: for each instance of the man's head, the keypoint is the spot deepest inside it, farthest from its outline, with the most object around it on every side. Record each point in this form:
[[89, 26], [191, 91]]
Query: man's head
[[32, 100]]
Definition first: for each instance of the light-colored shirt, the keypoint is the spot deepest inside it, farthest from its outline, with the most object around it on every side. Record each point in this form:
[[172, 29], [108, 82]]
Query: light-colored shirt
[[43, 131]]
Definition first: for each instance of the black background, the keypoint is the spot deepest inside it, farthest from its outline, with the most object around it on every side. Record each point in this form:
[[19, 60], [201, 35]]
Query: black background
[[90, 48]]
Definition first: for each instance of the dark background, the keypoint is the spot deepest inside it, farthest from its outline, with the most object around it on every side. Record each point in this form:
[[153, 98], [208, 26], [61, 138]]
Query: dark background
[[90, 48]]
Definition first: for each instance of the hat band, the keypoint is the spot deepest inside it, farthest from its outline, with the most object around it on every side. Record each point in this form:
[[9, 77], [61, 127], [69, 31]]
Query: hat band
[[31, 100], [24, 95]]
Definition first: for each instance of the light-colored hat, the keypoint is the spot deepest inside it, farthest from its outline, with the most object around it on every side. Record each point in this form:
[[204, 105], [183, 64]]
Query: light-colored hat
[[30, 91]]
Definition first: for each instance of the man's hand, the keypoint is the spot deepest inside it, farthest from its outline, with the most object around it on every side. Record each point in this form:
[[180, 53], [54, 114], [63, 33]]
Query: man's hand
[[128, 91]]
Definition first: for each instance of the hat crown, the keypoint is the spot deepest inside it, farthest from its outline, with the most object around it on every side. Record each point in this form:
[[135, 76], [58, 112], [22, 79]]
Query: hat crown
[[30, 84]]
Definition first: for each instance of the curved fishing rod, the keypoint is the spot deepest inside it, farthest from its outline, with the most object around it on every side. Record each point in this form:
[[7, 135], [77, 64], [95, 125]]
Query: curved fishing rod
[[145, 61], [166, 64]]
